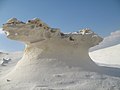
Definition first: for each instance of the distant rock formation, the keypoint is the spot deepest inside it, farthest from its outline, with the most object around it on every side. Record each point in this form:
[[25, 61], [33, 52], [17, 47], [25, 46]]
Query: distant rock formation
[[3, 53], [5, 61]]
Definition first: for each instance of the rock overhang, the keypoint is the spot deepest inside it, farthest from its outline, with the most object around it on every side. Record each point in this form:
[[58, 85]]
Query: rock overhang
[[36, 30]]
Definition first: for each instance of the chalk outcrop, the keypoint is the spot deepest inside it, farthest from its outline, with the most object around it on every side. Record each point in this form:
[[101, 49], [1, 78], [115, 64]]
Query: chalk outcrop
[[49, 49], [54, 60], [44, 42]]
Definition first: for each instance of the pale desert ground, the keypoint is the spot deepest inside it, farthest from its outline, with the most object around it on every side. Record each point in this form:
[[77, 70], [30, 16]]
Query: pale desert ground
[[71, 78]]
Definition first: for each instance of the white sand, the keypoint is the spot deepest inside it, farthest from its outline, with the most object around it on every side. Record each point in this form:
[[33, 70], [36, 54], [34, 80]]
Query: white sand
[[54, 78], [108, 55]]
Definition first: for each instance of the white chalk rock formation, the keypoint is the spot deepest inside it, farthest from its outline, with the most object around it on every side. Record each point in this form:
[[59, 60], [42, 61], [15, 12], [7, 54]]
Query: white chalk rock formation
[[49, 51], [46, 43]]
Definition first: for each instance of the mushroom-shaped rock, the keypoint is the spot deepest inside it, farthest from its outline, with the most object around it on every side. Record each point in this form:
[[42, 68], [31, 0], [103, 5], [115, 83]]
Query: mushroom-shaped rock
[[48, 47]]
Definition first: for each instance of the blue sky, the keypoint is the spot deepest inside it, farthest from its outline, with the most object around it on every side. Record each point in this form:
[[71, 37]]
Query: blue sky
[[102, 16]]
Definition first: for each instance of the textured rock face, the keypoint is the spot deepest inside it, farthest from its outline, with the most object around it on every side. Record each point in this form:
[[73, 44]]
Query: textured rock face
[[35, 31], [53, 60], [44, 42], [48, 52], [47, 47]]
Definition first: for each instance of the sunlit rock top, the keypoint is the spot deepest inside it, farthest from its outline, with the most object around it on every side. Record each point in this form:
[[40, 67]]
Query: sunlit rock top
[[36, 30]]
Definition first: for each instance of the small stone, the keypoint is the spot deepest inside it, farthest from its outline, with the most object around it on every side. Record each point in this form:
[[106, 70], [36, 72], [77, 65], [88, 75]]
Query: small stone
[[8, 80]]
